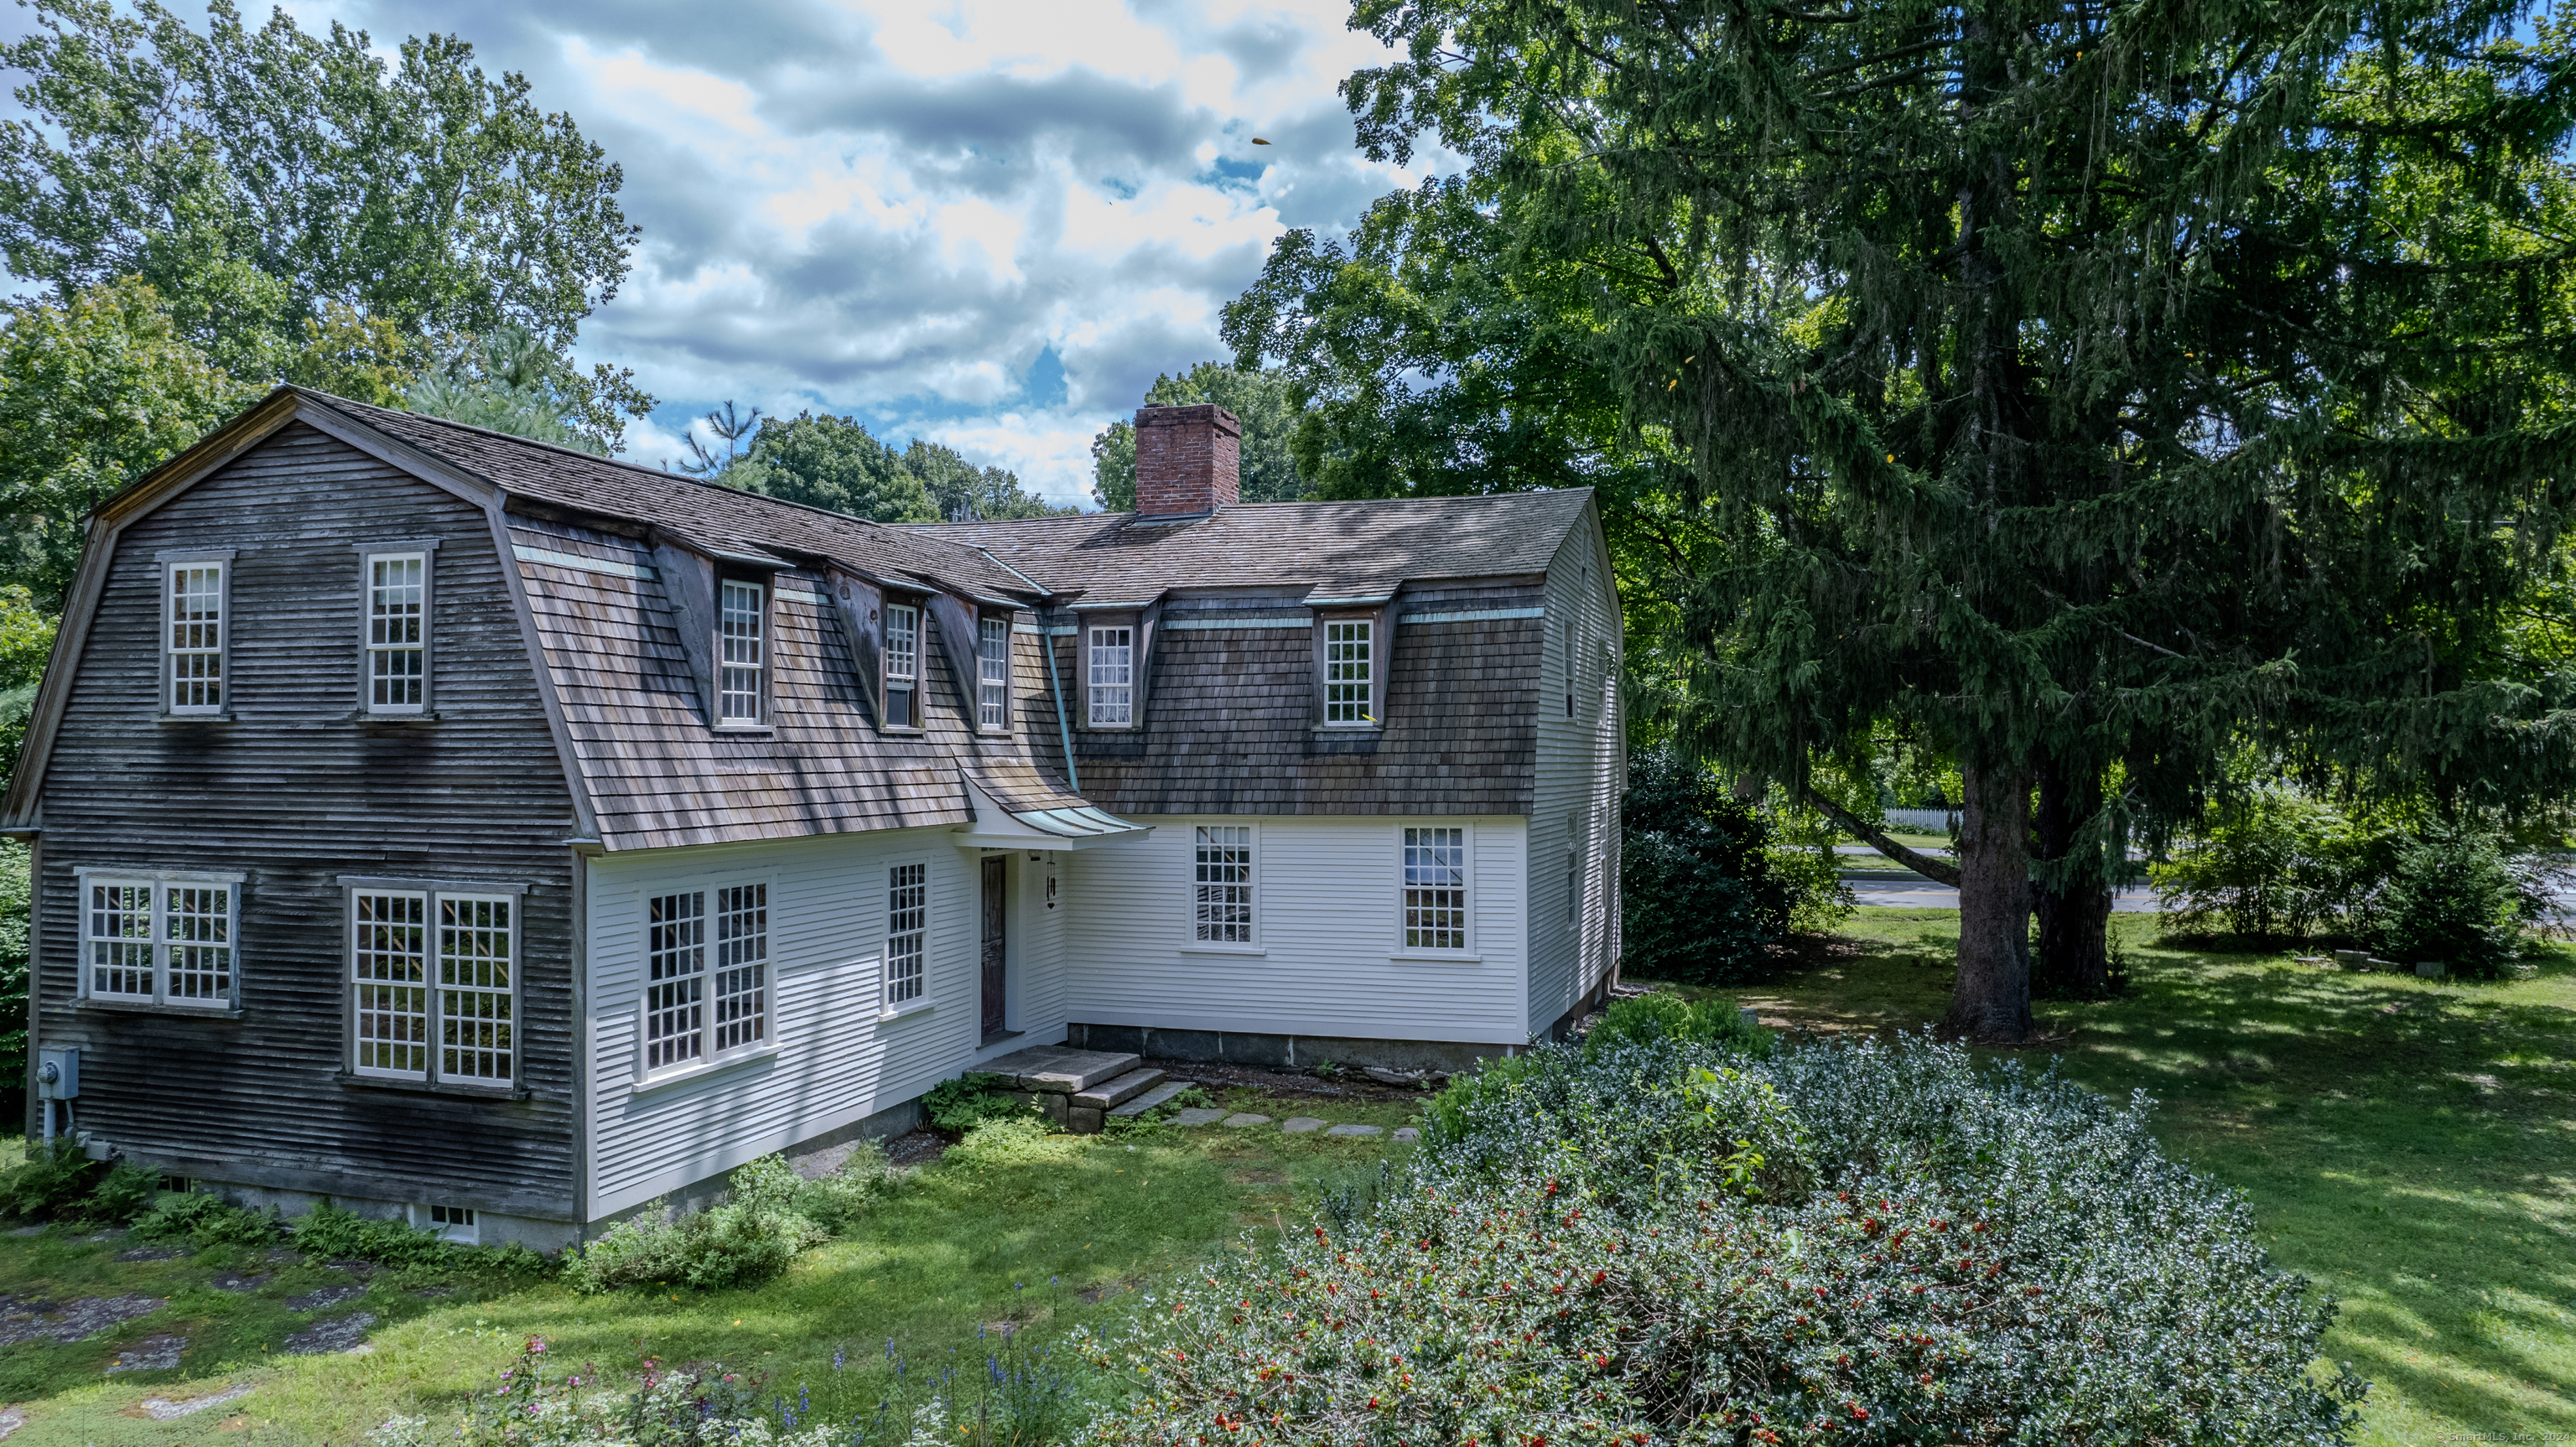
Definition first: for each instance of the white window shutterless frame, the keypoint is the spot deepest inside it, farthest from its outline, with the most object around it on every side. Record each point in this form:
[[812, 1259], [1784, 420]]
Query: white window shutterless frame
[[1222, 902], [1349, 664], [742, 639], [992, 673], [196, 633], [1433, 899], [907, 936], [1113, 678], [395, 583], [433, 983], [707, 976], [903, 666], [160, 938]]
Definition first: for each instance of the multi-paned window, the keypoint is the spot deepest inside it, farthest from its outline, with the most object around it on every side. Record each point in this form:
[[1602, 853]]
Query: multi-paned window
[[903, 666], [433, 981], [1568, 632], [706, 961], [161, 940], [1113, 677], [741, 635], [397, 632], [1222, 884], [1347, 664], [1435, 889], [907, 931], [197, 624], [992, 672]]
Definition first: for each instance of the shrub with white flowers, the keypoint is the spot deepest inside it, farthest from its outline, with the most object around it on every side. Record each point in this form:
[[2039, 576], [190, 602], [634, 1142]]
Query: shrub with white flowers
[[1658, 1241]]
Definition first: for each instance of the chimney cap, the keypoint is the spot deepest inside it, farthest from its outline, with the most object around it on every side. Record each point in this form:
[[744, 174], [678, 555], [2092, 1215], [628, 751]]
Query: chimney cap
[[1190, 414]]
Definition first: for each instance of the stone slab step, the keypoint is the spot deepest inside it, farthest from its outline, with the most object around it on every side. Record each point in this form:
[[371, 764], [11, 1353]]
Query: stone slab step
[[1119, 1090], [1153, 1097], [1056, 1070]]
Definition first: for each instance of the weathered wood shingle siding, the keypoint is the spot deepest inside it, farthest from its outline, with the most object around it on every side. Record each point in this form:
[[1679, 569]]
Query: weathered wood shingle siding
[[293, 794], [1229, 725]]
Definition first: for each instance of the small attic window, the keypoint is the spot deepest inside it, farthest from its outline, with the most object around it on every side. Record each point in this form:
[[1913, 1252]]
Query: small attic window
[[743, 634], [1349, 661], [992, 672], [902, 665]]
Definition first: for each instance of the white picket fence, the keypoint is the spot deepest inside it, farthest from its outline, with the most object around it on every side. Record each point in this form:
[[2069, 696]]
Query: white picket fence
[[1925, 821]]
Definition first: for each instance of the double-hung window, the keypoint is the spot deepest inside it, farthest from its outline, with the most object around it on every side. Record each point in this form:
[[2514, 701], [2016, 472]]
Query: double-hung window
[[706, 974], [198, 630], [433, 979], [903, 666], [160, 939], [1348, 671], [1222, 885], [992, 672], [742, 636], [907, 931], [1435, 888], [397, 639], [1113, 677]]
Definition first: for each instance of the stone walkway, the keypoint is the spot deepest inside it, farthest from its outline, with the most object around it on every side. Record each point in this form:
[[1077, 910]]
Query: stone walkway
[[1294, 1125]]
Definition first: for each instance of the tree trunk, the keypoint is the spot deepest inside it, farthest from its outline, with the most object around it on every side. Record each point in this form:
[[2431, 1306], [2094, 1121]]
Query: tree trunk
[[2073, 902], [1991, 1002]]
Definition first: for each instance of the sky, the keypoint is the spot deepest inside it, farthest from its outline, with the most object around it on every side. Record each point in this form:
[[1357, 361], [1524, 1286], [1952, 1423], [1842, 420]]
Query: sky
[[987, 224]]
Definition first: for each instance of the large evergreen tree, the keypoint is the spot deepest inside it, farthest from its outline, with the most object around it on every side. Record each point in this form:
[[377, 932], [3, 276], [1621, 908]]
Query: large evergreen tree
[[2077, 386]]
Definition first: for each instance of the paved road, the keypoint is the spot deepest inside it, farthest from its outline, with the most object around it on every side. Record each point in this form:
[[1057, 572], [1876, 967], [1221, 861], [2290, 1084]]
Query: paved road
[[1913, 891]]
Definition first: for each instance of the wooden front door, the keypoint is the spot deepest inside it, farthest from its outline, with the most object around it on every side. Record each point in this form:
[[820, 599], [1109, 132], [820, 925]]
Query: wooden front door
[[993, 933]]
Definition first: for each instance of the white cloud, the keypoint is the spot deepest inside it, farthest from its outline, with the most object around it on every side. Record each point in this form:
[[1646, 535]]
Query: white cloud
[[897, 210]]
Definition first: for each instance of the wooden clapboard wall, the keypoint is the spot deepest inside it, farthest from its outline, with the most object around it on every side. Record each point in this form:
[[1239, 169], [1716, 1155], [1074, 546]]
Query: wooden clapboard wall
[[294, 793]]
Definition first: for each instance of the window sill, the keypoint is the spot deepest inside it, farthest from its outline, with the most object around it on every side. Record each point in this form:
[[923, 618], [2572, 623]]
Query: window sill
[[745, 729], [704, 1069], [151, 1007], [364, 717], [1196, 948], [903, 731], [1437, 957], [1359, 730], [907, 1010], [355, 1081], [198, 718]]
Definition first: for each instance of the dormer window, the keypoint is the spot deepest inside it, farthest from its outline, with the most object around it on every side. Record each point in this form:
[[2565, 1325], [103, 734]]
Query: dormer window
[[902, 666], [992, 673], [1349, 664], [743, 635], [1113, 677]]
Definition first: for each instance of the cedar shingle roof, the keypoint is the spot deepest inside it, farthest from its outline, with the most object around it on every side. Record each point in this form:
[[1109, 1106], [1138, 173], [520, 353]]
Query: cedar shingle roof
[[1362, 549]]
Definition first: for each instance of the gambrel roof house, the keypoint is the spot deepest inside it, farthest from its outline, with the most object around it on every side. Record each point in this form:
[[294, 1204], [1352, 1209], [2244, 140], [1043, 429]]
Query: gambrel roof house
[[455, 825]]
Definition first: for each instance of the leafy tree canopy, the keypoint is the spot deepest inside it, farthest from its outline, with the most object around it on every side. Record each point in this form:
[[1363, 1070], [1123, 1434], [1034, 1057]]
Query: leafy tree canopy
[[286, 192], [93, 394], [2078, 387], [1264, 401], [834, 462], [510, 382]]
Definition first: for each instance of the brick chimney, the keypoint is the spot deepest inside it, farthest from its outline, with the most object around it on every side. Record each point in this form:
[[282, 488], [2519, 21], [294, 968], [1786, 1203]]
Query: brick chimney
[[1188, 460]]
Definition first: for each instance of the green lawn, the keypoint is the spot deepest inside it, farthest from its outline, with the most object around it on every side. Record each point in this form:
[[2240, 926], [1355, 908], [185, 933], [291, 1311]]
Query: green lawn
[[2410, 1144], [1054, 1237]]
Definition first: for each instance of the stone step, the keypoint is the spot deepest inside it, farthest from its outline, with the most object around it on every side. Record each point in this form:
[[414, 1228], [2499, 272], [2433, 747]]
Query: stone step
[[1055, 1070], [1120, 1090], [1154, 1097]]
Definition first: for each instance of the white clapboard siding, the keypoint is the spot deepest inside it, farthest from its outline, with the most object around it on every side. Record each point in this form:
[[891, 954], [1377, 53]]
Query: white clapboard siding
[[836, 1060], [1323, 961], [1582, 771]]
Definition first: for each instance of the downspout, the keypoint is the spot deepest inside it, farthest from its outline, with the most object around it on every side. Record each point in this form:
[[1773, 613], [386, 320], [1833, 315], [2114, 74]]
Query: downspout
[[1063, 726]]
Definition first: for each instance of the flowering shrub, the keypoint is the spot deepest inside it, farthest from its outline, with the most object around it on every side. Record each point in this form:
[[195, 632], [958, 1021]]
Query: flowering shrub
[[709, 1407], [1656, 1241]]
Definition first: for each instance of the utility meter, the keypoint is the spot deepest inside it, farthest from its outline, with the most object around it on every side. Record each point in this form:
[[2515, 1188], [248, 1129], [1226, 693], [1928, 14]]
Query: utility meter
[[58, 1074]]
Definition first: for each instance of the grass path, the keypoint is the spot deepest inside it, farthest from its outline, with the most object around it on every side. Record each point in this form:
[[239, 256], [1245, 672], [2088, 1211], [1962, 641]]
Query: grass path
[[2410, 1144], [1045, 1238]]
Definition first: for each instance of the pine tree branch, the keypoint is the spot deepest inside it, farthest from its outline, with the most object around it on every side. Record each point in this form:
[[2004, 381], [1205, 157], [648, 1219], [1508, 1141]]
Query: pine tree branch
[[1921, 863]]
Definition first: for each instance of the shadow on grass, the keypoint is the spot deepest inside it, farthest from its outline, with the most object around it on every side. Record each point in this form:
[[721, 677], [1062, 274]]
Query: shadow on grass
[[2410, 1144]]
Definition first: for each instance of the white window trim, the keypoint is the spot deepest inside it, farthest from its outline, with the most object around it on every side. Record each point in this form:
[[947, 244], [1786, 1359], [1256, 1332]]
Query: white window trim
[[995, 621], [463, 1235], [1369, 687], [907, 683], [767, 643], [171, 562], [888, 1008], [707, 1059], [1191, 944], [1091, 690], [159, 881], [1467, 873], [431, 892], [426, 549]]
